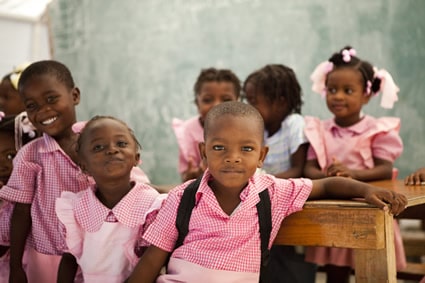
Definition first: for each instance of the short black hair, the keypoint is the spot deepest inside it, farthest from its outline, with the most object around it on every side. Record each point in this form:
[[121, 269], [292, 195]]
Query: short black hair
[[235, 109], [217, 75], [50, 67]]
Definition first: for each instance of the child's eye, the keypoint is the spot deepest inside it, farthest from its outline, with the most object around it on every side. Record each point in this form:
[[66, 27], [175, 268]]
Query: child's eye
[[122, 144], [247, 148], [98, 147], [51, 99], [218, 147], [11, 155], [348, 91], [30, 106], [332, 90]]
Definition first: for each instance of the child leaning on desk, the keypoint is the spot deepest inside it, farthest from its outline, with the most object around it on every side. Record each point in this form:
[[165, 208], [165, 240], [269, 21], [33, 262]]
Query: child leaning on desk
[[351, 144], [223, 243]]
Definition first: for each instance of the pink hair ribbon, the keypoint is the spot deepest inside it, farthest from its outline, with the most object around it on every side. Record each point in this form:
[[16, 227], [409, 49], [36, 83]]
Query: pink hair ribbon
[[78, 127], [2, 115], [388, 88], [318, 77], [23, 126]]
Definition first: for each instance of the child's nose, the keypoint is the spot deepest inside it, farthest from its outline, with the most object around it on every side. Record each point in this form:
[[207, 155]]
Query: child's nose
[[233, 157], [112, 149]]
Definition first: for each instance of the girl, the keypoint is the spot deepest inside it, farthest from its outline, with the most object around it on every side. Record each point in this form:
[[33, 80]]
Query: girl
[[212, 87], [351, 144], [10, 102], [104, 222], [14, 133], [42, 170], [223, 243], [275, 92]]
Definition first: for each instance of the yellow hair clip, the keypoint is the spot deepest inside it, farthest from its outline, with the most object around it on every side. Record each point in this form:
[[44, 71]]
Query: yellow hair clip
[[16, 74]]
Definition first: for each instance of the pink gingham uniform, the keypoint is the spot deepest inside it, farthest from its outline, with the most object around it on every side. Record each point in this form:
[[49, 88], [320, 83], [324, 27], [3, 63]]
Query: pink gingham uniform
[[6, 209], [189, 134], [104, 240], [217, 241], [354, 146], [41, 172]]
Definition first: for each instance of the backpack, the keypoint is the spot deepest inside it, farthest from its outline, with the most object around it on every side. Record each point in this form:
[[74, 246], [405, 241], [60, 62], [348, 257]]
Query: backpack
[[264, 218]]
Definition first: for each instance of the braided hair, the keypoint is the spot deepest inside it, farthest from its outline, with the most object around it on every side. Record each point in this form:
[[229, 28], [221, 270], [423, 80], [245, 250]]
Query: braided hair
[[275, 81], [364, 67]]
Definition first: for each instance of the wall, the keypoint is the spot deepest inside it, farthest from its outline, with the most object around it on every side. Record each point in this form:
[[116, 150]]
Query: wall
[[138, 60], [22, 41]]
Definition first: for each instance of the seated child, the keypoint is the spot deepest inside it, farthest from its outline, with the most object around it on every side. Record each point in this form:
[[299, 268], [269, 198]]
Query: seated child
[[15, 131], [212, 87], [223, 242], [104, 223], [10, 101]]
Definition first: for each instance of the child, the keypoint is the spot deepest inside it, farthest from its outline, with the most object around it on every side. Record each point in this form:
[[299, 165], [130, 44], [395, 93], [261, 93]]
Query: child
[[223, 243], [42, 170], [10, 101], [275, 92], [103, 223], [212, 87], [13, 135], [351, 144]]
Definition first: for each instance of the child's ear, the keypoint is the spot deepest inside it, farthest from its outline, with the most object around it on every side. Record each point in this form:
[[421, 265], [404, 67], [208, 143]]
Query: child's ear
[[137, 161], [263, 154], [201, 146], [75, 95], [366, 98]]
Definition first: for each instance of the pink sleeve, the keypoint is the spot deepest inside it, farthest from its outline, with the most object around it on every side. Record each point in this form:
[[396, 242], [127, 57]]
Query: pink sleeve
[[387, 146], [21, 185]]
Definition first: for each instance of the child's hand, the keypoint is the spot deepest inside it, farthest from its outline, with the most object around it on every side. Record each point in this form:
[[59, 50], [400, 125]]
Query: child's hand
[[339, 169], [415, 178], [387, 199], [193, 171]]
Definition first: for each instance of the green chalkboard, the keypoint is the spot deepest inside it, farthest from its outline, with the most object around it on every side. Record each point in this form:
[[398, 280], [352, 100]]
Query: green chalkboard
[[138, 60]]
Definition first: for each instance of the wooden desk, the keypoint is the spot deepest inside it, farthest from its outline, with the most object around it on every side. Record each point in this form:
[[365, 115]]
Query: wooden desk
[[352, 224]]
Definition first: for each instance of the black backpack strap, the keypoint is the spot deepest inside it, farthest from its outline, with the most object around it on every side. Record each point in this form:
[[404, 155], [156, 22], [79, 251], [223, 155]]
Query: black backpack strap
[[184, 211], [265, 222]]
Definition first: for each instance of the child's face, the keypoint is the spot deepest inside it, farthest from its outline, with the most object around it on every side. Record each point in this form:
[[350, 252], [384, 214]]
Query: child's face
[[108, 151], [7, 153], [345, 95], [50, 105], [273, 112], [10, 100], [213, 93], [233, 150]]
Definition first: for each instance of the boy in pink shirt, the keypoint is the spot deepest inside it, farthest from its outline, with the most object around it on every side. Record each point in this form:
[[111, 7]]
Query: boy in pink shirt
[[223, 242]]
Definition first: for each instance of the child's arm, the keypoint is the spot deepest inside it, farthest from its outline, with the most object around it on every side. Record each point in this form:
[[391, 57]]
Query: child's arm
[[67, 268], [382, 170], [297, 164], [416, 178], [149, 266], [19, 230], [346, 188], [312, 170]]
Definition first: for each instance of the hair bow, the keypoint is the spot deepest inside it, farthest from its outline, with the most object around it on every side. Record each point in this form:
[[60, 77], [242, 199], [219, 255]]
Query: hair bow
[[23, 126], [318, 77], [2, 115], [16, 74], [388, 88], [78, 127], [347, 53]]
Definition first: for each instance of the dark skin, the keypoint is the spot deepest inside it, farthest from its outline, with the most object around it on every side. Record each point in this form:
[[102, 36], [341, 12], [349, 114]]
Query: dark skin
[[227, 154], [108, 153], [416, 178], [45, 99], [381, 170]]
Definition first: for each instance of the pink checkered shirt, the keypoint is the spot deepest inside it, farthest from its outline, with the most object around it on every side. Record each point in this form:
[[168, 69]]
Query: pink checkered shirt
[[41, 172], [137, 210], [217, 240]]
